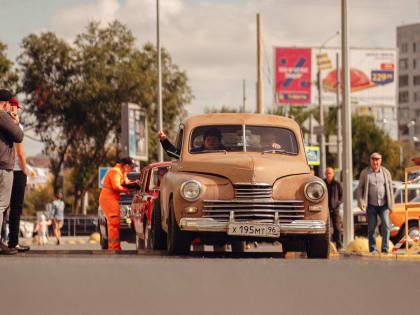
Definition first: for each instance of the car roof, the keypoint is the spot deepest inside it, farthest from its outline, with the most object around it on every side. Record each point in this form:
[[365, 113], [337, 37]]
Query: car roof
[[240, 118]]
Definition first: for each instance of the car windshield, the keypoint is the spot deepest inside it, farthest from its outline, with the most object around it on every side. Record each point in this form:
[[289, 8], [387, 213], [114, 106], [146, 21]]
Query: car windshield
[[243, 138]]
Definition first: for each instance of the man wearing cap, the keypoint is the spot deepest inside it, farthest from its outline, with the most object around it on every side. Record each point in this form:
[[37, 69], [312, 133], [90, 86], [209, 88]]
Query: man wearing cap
[[9, 134], [18, 188], [113, 185], [376, 196]]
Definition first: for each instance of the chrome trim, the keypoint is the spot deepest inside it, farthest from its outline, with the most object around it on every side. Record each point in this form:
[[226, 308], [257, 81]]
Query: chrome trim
[[249, 183], [312, 182], [254, 210], [211, 225], [191, 181]]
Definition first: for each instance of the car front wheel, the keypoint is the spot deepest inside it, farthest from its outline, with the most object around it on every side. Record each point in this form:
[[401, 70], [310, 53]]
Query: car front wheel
[[157, 235], [318, 246], [177, 241]]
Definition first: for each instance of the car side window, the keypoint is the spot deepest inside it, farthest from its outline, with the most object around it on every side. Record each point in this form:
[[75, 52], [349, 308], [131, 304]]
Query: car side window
[[144, 181]]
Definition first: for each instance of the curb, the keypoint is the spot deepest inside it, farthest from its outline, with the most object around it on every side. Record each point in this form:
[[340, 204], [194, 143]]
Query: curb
[[383, 256]]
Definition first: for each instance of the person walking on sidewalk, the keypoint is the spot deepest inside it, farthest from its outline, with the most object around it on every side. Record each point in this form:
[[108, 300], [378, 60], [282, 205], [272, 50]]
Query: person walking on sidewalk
[[375, 195], [113, 185], [57, 209], [18, 189], [335, 198], [9, 134]]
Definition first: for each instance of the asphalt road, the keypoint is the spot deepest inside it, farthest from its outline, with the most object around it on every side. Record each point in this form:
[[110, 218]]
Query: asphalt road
[[206, 283]]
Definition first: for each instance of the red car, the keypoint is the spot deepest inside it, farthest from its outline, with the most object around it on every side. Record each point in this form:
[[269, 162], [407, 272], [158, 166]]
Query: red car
[[143, 201]]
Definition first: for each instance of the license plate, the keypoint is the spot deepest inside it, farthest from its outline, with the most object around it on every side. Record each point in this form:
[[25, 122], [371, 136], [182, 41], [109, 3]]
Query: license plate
[[249, 229]]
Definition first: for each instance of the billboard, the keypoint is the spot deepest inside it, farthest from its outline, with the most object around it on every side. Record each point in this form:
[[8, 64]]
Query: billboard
[[134, 132], [292, 76], [372, 76]]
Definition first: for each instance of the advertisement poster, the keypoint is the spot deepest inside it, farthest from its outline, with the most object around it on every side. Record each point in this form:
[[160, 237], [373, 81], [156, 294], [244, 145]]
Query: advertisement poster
[[372, 76], [137, 133], [292, 76]]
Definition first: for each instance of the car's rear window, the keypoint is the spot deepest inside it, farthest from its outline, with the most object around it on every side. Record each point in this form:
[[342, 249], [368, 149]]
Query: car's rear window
[[239, 138]]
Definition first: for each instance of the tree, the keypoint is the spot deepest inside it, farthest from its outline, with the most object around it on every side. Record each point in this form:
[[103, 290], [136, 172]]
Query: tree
[[8, 75], [75, 93]]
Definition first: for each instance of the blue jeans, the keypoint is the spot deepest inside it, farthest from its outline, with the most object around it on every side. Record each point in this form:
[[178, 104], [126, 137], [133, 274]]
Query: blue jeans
[[372, 216]]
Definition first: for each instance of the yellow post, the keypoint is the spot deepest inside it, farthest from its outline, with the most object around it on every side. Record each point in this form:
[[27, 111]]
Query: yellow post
[[406, 209]]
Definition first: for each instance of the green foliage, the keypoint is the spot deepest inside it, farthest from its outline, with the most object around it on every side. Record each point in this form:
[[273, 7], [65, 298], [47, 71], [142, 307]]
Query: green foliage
[[298, 113], [224, 109], [36, 200], [75, 93], [8, 76]]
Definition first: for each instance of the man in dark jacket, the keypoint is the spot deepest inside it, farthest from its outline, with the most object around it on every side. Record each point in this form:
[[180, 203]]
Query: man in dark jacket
[[335, 198], [10, 133]]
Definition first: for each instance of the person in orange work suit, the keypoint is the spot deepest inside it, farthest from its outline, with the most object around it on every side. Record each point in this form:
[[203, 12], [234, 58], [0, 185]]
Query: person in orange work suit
[[113, 185]]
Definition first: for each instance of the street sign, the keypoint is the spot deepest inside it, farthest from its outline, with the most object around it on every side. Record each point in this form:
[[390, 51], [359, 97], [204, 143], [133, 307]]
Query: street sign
[[102, 173], [323, 62], [312, 154]]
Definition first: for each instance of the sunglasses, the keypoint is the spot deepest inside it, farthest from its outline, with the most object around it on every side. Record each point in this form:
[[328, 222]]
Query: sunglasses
[[376, 159]]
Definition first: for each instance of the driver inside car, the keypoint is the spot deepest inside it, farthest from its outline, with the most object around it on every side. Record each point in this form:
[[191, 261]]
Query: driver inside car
[[268, 141]]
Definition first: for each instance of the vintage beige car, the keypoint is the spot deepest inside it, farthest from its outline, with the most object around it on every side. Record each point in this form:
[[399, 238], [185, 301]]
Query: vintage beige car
[[255, 186]]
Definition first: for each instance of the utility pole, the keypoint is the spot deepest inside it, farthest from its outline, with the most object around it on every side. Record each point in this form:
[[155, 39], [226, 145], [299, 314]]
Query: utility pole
[[323, 164], [339, 140], [347, 140], [159, 96], [260, 92], [244, 97]]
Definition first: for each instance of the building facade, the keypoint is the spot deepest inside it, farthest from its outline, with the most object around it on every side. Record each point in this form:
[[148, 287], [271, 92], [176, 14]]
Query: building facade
[[408, 43]]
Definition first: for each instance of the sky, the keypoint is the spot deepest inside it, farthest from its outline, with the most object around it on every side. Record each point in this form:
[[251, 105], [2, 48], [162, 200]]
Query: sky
[[214, 41]]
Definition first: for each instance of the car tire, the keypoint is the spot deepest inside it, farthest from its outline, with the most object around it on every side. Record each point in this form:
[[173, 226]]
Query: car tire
[[177, 241], [318, 246], [147, 238], [238, 247], [157, 235], [103, 241]]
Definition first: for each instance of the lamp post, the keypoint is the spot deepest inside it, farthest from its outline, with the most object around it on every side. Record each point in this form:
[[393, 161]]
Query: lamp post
[[323, 63], [159, 96]]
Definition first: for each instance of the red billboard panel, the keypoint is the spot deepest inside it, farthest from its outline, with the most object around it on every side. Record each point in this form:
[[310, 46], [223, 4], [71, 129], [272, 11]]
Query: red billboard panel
[[292, 76]]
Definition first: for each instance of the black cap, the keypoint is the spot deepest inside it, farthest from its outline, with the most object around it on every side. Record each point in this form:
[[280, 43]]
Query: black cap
[[128, 161], [212, 132], [5, 95]]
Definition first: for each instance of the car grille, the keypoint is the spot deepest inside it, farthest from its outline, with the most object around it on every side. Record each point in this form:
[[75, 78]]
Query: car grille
[[253, 191], [253, 203]]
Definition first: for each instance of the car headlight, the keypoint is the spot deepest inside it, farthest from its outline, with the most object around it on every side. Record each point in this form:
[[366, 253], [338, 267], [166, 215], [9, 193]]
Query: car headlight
[[191, 190], [125, 211], [315, 190]]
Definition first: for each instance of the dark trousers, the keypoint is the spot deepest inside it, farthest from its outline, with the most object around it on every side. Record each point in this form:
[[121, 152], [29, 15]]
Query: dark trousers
[[337, 228], [16, 204]]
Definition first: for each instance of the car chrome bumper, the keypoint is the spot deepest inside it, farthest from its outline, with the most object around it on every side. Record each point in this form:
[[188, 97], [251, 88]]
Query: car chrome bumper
[[211, 225]]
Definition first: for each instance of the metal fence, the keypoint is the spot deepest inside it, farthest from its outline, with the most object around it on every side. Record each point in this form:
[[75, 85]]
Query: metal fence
[[74, 225]]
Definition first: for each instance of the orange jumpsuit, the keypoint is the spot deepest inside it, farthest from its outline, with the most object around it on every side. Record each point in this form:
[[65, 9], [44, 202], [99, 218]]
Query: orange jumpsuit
[[109, 201]]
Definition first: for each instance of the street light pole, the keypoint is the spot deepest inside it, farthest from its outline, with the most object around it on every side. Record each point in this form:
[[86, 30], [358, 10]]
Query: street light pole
[[159, 96], [323, 164], [339, 140], [347, 139]]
